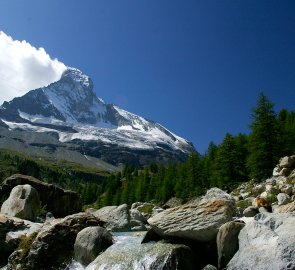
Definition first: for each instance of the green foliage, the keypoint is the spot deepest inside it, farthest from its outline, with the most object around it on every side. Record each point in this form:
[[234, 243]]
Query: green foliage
[[68, 175], [25, 246], [263, 140], [236, 159]]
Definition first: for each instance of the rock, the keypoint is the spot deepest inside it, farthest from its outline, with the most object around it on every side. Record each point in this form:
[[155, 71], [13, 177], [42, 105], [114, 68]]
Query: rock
[[288, 189], [54, 244], [116, 218], [151, 235], [90, 242], [264, 210], [268, 242], [287, 208], [250, 211], [58, 201], [23, 203], [150, 256], [12, 229], [139, 228], [227, 241], [136, 218], [146, 209], [156, 210], [172, 202], [283, 199], [196, 221], [287, 162], [209, 267], [270, 189]]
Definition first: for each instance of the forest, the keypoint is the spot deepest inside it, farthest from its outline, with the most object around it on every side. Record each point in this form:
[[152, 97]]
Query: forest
[[238, 158]]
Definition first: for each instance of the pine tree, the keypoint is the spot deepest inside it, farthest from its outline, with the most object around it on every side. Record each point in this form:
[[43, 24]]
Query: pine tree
[[263, 140]]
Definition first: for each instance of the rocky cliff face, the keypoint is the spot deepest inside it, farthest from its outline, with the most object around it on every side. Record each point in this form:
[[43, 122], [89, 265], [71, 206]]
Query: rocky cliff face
[[68, 114]]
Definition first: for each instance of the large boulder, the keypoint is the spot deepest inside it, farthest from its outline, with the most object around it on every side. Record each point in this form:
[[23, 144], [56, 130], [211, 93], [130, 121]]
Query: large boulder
[[228, 242], [12, 230], [23, 202], [58, 201], [90, 242], [266, 242], [150, 256], [54, 243], [116, 218], [137, 221], [287, 162], [287, 208], [198, 221]]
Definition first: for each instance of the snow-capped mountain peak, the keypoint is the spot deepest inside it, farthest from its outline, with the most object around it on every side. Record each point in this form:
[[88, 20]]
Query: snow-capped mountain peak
[[70, 108]]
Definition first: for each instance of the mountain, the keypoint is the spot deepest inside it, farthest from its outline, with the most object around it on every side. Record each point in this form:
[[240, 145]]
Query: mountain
[[68, 121]]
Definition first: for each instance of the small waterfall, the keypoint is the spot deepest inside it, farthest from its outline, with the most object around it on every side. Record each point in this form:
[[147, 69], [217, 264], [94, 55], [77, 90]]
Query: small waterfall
[[127, 253]]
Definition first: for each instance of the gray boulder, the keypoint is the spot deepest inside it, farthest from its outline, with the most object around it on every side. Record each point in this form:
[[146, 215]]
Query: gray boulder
[[228, 242], [250, 211], [283, 198], [267, 242], [150, 256], [287, 208], [58, 201], [198, 221], [137, 220], [90, 242], [116, 218], [54, 243], [209, 267], [287, 162], [12, 230], [23, 203]]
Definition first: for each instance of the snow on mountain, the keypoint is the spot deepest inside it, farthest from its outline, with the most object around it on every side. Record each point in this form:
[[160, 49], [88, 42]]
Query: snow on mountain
[[70, 108]]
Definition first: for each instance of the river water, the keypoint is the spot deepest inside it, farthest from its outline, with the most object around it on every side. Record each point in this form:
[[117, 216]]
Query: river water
[[122, 241]]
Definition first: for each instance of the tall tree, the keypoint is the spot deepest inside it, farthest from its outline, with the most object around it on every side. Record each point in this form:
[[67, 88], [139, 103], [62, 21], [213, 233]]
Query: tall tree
[[263, 140]]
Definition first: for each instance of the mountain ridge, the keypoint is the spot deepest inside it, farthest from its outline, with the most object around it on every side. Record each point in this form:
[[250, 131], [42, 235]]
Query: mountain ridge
[[71, 109]]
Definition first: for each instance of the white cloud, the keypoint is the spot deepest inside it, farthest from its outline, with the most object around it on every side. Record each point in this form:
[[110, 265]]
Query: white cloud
[[23, 68]]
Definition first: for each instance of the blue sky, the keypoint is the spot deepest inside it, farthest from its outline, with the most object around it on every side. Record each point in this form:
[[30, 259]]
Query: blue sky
[[196, 67]]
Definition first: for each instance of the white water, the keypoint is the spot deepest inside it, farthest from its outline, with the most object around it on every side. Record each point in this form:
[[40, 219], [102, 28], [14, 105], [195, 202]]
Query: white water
[[120, 239]]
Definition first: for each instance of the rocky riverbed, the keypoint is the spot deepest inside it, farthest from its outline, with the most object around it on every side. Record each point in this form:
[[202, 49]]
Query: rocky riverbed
[[251, 228]]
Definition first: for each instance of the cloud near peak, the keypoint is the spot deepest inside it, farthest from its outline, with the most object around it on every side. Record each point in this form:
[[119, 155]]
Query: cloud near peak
[[23, 68]]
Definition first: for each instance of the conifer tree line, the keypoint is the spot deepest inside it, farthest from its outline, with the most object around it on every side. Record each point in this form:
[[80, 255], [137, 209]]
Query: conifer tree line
[[238, 158]]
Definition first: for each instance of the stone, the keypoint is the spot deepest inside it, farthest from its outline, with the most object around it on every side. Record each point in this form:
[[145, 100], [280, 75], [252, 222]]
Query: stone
[[149, 256], [288, 189], [146, 209], [209, 267], [54, 243], [58, 201], [172, 202], [283, 199], [90, 242], [264, 210], [150, 235], [116, 218], [139, 228], [267, 242], [287, 208], [270, 189], [196, 221], [12, 230], [227, 241], [23, 202], [135, 215], [250, 211], [287, 162]]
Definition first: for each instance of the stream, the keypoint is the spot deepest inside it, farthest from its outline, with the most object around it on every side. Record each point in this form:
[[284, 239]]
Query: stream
[[127, 253]]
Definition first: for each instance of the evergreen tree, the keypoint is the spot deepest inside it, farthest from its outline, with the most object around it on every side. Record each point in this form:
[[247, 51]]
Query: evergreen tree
[[263, 140]]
